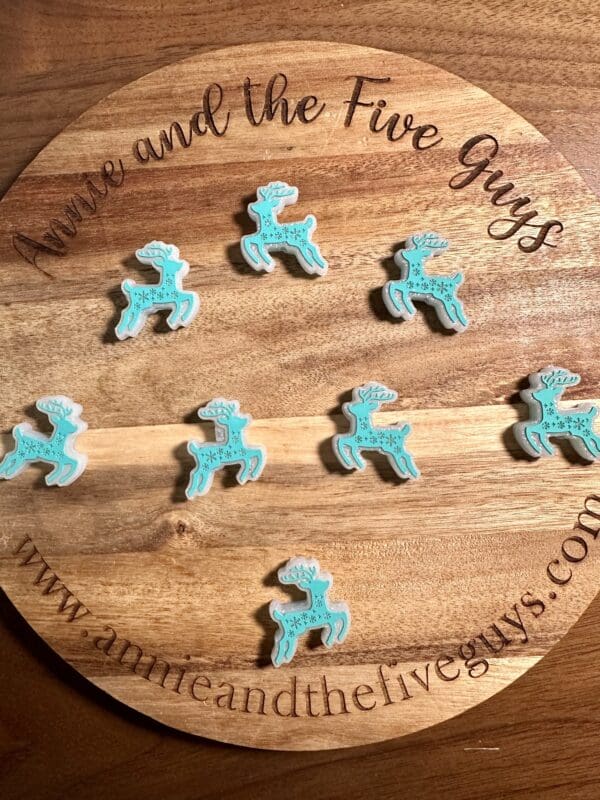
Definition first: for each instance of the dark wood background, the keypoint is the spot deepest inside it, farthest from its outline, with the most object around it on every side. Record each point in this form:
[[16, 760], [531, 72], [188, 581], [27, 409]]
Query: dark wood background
[[59, 737]]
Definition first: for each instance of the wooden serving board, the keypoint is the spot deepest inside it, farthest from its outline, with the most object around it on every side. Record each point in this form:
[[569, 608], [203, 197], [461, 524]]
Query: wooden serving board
[[457, 583]]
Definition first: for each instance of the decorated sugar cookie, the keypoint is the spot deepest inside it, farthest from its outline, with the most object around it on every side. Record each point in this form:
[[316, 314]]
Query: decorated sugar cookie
[[57, 449], [147, 299], [295, 619], [365, 436], [272, 235], [438, 291], [230, 448], [547, 420]]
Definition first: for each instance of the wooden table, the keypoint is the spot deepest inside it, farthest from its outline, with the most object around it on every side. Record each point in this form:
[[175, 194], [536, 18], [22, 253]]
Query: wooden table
[[62, 738]]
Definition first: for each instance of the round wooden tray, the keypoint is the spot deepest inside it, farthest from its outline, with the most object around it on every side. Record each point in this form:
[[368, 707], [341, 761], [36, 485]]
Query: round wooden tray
[[457, 583]]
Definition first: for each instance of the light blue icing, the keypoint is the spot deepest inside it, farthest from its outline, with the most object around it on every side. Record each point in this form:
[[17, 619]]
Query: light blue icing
[[272, 235], [365, 436], [438, 291], [230, 448], [546, 419], [144, 299], [57, 449], [295, 619]]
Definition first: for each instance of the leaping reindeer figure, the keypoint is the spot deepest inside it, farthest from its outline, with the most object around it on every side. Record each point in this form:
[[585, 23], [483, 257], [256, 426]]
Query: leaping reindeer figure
[[231, 448], [291, 237], [316, 611], [438, 291], [364, 436], [546, 419], [57, 449], [144, 299]]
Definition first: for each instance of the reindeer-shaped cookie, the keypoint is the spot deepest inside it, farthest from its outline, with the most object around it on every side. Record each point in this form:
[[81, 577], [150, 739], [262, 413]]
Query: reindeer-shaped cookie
[[291, 237], [546, 419], [144, 299], [230, 447], [438, 291], [57, 449], [294, 619], [365, 436]]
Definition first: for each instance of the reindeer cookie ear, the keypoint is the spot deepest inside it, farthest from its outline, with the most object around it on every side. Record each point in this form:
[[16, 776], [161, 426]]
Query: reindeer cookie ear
[[146, 299], [547, 420]]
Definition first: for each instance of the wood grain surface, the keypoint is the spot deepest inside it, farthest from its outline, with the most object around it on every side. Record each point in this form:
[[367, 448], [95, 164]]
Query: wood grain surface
[[454, 781]]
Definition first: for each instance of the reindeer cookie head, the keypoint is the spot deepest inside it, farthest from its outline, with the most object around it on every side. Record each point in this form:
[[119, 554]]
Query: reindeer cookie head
[[272, 198], [295, 619], [230, 447], [438, 291], [146, 299], [370, 397], [226, 415], [272, 235], [420, 246], [164, 257], [57, 449], [363, 435], [547, 420]]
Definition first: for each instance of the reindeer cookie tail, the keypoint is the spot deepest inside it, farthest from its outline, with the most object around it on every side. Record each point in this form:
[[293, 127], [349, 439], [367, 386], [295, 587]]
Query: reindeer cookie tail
[[310, 222], [275, 611], [194, 449], [127, 285], [19, 432]]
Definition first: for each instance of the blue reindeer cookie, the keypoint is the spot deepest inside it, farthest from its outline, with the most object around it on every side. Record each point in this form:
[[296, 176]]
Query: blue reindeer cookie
[[547, 420], [230, 448], [57, 449], [363, 435], [295, 619], [271, 235], [438, 291], [144, 300]]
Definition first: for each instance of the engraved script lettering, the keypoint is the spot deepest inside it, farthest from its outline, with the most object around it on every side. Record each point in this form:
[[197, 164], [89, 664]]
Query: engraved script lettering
[[395, 126], [272, 104], [306, 110], [385, 685], [202, 122], [477, 153], [52, 241]]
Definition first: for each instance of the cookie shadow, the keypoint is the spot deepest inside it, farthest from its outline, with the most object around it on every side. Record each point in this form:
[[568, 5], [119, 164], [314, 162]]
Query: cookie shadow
[[186, 465], [509, 440], [41, 424], [325, 449]]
